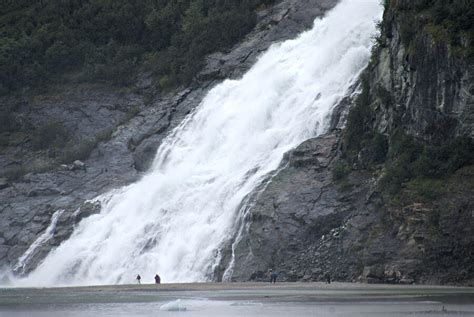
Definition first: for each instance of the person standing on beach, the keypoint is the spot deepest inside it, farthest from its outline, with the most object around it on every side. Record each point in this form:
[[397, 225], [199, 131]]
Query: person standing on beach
[[328, 278], [157, 279], [139, 279], [273, 277]]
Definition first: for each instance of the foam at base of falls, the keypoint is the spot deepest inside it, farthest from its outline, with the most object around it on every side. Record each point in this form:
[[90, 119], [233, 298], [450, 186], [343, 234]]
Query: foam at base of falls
[[176, 218], [176, 305]]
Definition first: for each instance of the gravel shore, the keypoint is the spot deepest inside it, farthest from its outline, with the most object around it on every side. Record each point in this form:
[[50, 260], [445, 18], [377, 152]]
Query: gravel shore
[[266, 291], [239, 299]]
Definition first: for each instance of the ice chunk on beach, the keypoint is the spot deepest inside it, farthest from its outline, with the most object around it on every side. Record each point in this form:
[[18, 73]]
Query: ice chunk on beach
[[175, 305]]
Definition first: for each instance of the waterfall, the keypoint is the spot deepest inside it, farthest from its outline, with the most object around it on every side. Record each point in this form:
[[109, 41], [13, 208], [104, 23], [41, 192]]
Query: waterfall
[[42, 239], [176, 218]]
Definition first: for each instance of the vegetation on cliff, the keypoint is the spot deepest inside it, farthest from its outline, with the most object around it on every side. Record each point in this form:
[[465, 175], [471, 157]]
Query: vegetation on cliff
[[409, 160], [404, 157], [450, 22], [44, 43], [102, 40], [408, 141]]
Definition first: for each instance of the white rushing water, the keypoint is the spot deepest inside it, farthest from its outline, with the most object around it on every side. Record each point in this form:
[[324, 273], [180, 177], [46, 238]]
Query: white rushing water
[[175, 219], [42, 239]]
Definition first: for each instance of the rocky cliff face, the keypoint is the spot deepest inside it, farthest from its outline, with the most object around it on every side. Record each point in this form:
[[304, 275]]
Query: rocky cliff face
[[429, 81], [115, 134], [327, 211]]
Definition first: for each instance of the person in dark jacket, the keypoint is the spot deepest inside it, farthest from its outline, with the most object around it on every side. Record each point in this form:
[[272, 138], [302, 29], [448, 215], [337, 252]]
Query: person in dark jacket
[[139, 278], [157, 279], [328, 278], [273, 276]]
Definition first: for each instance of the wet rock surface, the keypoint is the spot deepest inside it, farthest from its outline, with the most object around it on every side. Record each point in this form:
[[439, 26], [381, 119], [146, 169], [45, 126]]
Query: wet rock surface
[[135, 124], [305, 224]]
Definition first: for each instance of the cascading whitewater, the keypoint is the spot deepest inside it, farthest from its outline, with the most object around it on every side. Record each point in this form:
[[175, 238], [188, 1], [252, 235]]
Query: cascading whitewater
[[43, 238], [175, 219]]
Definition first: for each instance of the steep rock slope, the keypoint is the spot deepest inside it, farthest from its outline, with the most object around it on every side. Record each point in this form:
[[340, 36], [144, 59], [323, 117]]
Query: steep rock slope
[[390, 197], [120, 131]]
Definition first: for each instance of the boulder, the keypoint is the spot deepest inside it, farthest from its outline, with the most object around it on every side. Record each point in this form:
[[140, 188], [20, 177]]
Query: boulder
[[86, 210], [373, 274], [144, 154], [43, 192], [3, 183], [407, 281], [78, 166]]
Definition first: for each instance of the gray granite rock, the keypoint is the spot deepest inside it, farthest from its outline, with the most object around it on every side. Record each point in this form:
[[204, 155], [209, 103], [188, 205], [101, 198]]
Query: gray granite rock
[[3, 183], [304, 224]]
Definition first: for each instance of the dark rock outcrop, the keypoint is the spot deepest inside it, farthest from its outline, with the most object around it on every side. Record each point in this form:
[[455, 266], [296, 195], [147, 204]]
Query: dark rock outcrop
[[3, 183], [306, 223]]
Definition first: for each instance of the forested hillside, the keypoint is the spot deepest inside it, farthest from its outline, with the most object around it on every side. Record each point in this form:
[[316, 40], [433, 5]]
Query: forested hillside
[[43, 42]]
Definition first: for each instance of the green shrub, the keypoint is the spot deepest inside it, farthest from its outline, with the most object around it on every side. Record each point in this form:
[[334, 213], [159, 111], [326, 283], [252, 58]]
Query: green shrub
[[340, 171], [436, 161], [461, 153], [132, 112], [360, 133], [425, 189], [51, 135], [13, 172], [409, 159], [379, 148], [396, 172], [4, 140], [408, 29], [165, 82], [384, 95], [344, 185], [8, 121], [402, 144], [359, 121], [446, 21], [104, 135], [80, 151], [108, 40]]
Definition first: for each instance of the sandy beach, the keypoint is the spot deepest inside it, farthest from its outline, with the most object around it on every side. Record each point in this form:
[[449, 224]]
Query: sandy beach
[[297, 291], [237, 299]]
